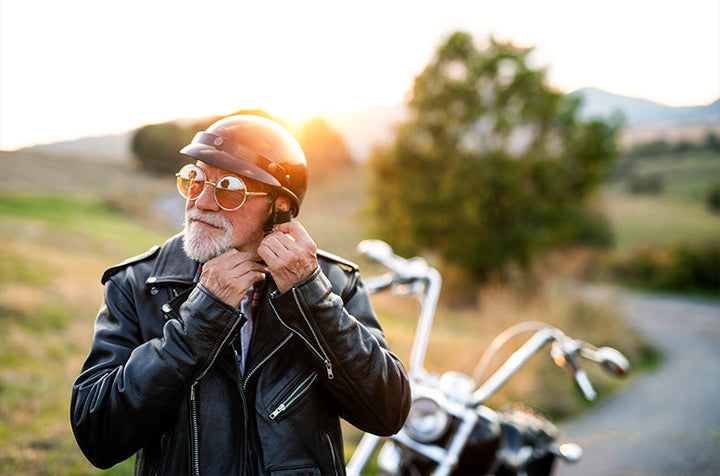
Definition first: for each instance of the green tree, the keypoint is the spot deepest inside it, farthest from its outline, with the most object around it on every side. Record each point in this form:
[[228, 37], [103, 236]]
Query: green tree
[[493, 166], [157, 147]]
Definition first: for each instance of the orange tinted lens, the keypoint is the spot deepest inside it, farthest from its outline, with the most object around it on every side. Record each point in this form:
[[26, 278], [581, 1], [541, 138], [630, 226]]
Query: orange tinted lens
[[190, 181], [230, 192]]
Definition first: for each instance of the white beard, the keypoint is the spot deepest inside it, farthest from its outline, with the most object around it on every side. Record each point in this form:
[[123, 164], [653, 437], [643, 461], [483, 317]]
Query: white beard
[[202, 246]]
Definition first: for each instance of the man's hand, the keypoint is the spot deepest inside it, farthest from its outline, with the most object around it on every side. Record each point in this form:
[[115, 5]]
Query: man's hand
[[290, 254], [229, 275]]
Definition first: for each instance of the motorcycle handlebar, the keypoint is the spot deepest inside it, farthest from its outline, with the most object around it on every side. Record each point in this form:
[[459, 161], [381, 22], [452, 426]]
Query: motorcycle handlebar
[[407, 272], [565, 350]]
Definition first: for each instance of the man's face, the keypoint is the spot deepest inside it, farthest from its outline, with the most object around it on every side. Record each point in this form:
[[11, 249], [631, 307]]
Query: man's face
[[210, 230]]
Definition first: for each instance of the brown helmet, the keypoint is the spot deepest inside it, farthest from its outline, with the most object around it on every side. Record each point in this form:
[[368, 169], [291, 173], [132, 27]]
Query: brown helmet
[[256, 148]]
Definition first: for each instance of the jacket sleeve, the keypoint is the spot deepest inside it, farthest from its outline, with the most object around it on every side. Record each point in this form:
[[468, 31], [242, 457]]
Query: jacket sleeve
[[368, 381], [128, 385]]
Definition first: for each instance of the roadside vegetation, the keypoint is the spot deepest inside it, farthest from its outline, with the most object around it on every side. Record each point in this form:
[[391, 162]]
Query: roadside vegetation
[[664, 206]]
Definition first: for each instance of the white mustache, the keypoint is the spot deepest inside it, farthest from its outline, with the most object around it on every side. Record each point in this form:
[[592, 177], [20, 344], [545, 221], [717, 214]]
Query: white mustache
[[207, 217]]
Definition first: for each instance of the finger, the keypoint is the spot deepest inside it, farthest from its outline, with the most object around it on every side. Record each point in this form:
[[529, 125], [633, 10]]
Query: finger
[[295, 230], [231, 284], [284, 240], [271, 250], [277, 243], [231, 259]]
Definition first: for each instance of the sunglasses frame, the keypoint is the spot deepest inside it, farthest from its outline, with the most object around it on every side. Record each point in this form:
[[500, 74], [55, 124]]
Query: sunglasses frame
[[207, 182]]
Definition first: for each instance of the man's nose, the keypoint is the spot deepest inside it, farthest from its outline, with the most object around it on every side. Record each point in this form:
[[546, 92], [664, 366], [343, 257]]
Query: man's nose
[[206, 200]]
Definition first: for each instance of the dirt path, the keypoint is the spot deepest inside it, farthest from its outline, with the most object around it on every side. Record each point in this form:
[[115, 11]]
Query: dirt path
[[666, 422]]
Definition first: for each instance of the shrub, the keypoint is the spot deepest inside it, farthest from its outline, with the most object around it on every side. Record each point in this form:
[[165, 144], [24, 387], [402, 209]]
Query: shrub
[[680, 267], [157, 147], [712, 197], [646, 184]]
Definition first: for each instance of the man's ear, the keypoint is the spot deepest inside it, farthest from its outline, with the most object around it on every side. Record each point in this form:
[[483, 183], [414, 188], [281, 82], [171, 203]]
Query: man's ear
[[280, 213], [282, 204]]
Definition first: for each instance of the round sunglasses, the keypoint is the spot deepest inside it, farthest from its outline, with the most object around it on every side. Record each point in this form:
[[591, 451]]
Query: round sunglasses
[[230, 190]]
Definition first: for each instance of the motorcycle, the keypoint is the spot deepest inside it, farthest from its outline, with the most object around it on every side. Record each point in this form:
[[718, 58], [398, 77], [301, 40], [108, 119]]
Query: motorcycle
[[449, 430]]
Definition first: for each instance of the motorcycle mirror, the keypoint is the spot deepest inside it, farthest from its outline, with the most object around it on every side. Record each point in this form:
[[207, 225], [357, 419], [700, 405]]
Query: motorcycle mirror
[[613, 361], [375, 249]]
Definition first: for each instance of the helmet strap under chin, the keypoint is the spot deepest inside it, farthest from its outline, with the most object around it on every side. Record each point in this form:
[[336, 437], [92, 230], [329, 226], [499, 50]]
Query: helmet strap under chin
[[276, 216]]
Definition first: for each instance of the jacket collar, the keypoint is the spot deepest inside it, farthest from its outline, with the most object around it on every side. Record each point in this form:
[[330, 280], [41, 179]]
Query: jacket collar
[[172, 265]]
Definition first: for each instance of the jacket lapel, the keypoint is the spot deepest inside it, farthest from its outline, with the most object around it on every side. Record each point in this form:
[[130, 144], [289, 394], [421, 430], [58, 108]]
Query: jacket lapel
[[172, 265]]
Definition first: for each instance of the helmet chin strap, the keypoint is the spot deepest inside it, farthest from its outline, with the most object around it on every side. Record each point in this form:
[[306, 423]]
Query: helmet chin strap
[[276, 217]]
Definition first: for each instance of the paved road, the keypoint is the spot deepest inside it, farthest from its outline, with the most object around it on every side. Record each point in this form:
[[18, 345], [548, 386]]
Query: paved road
[[666, 422]]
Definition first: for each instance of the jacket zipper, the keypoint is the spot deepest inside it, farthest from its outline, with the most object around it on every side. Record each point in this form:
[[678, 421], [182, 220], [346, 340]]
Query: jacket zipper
[[267, 357], [195, 438], [244, 403], [320, 353], [326, 359], [332, 453], [294, 396], [193, 401]]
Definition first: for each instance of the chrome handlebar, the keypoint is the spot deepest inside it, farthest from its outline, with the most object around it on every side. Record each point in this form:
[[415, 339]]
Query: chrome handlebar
[[414, 277]]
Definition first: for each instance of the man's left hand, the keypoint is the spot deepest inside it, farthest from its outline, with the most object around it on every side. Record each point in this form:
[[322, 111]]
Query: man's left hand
[[290, 254]]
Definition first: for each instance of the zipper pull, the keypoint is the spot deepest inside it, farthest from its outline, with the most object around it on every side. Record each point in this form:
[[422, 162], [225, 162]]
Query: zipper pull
[[328, 367], [277, 411]]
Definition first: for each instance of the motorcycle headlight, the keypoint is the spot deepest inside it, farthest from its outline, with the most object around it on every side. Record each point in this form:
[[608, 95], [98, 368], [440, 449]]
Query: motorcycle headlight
[[427, 421]]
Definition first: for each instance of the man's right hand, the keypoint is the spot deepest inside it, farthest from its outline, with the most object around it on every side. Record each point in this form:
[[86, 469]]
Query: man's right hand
[[229, 275]]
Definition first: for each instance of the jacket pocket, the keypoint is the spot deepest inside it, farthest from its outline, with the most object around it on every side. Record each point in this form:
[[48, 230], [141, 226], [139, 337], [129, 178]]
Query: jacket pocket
[[291, 397]]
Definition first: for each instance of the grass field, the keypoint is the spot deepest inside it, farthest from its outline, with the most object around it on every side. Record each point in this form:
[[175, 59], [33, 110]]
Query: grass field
[[63, 222], [678, 214], [54, 249]]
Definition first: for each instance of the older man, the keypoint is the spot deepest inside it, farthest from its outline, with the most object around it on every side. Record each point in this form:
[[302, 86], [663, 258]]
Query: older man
[[236, 346]]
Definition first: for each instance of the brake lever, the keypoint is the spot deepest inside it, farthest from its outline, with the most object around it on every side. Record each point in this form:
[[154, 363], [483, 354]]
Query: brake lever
[[583, 383], [565, 353]]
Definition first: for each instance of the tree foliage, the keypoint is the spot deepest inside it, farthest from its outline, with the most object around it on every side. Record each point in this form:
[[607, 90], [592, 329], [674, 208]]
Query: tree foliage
[[157, 147], [493, 166]]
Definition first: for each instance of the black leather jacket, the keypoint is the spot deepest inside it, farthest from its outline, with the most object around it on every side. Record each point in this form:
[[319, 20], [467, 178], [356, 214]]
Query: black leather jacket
[[162, 380]]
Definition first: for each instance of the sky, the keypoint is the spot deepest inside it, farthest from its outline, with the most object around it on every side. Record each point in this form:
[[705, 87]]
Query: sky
[[72, 68]]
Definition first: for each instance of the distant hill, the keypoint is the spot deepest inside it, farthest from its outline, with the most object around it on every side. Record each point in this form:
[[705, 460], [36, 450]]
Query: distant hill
[[109, 148], [644, 120], [363, 129], [641, 112]]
